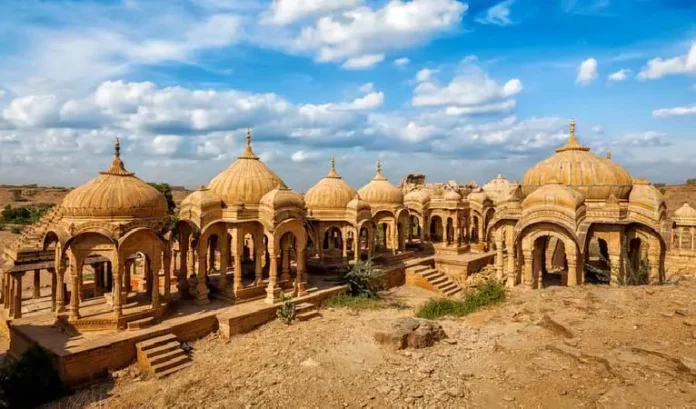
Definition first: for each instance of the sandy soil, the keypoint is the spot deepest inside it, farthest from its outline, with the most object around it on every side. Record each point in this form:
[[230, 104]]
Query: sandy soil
[[558, 347]]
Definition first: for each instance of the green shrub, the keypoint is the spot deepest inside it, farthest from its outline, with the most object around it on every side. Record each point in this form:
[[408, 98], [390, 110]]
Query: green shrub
[[490, 293], [16, 230], [24, 214], [286, 311], [29, 382], [364, 279]]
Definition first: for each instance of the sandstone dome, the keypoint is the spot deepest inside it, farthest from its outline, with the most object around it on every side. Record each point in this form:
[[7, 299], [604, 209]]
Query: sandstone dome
[[381, 191], [331, 192], [452, 195], [246, 181], [282, 197], [575, 166], [419, 196], [554, 194], [115, 193]]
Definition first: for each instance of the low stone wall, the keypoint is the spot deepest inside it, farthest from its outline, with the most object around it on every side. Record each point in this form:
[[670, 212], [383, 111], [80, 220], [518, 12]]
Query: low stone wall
[[460, 269], [680, 263]]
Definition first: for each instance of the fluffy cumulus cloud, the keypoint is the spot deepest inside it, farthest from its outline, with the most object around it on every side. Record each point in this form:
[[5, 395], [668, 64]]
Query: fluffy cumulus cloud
[[620, 75], [498, 15], [362, 36], [401, 62], [284, 12], [471, 91], [675, 111], [643, 139], [587, 72], [659, 67]]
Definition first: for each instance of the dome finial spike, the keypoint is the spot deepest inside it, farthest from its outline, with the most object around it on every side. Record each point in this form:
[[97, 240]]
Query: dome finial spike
[[248, 152], [333, 164], [248, 136], [572, 128], [379, 166], [332, 170], [608, 154], [117, 148]]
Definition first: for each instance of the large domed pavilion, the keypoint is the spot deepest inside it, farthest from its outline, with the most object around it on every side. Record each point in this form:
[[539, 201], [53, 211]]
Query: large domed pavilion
[[577, 214], [245, 216]]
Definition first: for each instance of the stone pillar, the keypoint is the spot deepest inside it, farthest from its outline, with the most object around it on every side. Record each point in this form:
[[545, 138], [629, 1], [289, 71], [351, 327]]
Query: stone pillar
[[117, 287], [11, 294], [528, 276], [156, 287], [202, 288], [60, 288], [370, 243], [258, 263], [224, 260], [37, 284], [238, 244], [301, 279], [654, 261], [167, 266], [512, 270], [616, 276], [572, 270], [74, 310], [499, 262], [285, 260], [344, 242], [18, 297], [182, 279], [356, 245], [273, 291]]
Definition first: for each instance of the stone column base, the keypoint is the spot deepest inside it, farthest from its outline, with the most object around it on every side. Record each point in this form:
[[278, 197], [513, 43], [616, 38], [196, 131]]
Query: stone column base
[[272, 295], [202, 300]]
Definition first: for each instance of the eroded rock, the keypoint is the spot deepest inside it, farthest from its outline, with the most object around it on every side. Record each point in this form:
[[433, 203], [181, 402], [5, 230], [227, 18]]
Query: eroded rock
[[411, 333]]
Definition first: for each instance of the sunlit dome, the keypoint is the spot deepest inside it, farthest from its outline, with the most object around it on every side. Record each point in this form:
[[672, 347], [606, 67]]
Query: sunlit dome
[[381, 191], [331, 192]]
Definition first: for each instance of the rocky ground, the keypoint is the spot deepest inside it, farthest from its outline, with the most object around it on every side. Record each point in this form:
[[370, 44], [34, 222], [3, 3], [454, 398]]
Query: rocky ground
[[558, 347]]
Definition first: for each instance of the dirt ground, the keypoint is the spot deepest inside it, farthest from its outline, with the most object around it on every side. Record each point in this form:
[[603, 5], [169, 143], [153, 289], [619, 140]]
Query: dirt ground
[[557, 347]]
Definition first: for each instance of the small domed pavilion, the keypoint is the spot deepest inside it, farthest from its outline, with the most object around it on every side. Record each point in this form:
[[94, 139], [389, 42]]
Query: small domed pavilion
[[336, 214]]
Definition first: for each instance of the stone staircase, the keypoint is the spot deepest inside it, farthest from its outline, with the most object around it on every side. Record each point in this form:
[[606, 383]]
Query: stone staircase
[[306, 311], [439, 280], [162, 356], [32, 235]]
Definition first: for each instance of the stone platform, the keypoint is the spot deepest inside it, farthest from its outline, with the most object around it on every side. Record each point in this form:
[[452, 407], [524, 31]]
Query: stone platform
[[89, 356]]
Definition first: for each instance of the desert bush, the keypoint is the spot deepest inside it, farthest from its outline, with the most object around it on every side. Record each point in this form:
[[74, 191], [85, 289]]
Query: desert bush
[[364, 279], [691, 181], [24, 214], [490, 293], [17, 196], [286, 311], [16, 230], [30, 381]]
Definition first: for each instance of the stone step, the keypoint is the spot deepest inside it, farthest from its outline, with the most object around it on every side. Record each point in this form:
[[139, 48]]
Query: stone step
[[155, 342], [430, 274], [444, 287], [170, 371], [439, 280], [162, 349], [169, 356], [141, 323], [455, 291], [307, 315], [303, 307], [172, 363]]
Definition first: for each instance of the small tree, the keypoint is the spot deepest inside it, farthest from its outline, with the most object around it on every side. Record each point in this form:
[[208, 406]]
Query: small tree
[[691, 181], [364, 279], [286, 311]]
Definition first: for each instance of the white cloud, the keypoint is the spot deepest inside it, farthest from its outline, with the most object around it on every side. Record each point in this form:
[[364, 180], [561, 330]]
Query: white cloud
[[470, 91], [676, 111], [289, 11], [643, 139], [425, 74], [658, 67], [620, 75], [33, 110], [402, 62], [587, 72], [165, 144], [304, 156], [358, 36], [498, 15], [367, 87], [363, 62], [371, 100]]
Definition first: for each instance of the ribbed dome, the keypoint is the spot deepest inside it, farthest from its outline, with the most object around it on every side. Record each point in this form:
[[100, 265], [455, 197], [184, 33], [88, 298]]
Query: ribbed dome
[[282, 197], [646, 195], [554, 194], [452, 195], [420, 196], [202, 198], [357, 204], [332, 192], [245, 181], [115, 193], [478, 195], [575, 166], [380, 191], [685, 211], [499, 187]]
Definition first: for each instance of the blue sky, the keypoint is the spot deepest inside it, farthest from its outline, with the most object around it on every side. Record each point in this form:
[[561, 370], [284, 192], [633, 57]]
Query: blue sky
[[452, 89]]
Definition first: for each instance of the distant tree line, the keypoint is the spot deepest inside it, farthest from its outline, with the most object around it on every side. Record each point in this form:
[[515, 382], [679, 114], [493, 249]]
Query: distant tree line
[[691, 181], [24, 214]]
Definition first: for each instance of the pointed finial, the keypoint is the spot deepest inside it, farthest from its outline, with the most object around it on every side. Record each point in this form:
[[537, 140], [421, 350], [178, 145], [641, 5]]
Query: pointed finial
[[117, 148], [572, 128], [572, 144], [608, 154], [332, 171], [248, 152], [379, 175], [379, 166]]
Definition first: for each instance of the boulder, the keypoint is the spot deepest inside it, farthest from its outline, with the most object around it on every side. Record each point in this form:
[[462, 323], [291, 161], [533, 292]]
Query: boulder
[[411, 333]]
